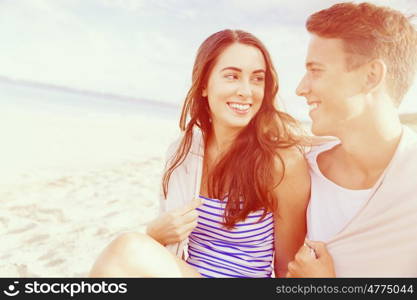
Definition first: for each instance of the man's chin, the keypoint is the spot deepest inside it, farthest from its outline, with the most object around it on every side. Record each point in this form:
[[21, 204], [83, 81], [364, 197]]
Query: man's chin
[[317, 131]]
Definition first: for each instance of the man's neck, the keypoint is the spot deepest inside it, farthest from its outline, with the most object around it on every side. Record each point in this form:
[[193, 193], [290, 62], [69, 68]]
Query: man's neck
[[370, 147]]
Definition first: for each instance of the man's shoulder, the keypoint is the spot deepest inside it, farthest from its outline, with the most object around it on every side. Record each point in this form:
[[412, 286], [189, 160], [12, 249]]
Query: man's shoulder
[[320, 146], [410, 137]]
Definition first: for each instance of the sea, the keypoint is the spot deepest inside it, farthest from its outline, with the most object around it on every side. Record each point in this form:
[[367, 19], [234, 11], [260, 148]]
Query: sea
[[24, 96]]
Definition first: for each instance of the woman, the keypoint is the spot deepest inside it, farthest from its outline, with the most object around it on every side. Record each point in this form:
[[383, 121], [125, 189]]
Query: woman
[[236, 185]]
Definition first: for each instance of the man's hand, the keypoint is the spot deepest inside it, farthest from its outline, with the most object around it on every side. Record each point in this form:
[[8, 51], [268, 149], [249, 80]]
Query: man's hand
[[174, 226], [312, 260]]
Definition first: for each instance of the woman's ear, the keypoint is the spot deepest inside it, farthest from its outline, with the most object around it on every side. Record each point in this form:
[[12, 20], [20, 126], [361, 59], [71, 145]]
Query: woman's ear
[[204, 92], [376, 72]]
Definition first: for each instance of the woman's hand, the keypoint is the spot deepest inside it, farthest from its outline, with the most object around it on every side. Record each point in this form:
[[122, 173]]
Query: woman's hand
[[312, 260], [174, 226]]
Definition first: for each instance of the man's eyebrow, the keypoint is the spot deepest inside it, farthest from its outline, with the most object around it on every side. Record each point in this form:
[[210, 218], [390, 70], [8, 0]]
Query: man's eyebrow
[[310, 64], [240, 70]]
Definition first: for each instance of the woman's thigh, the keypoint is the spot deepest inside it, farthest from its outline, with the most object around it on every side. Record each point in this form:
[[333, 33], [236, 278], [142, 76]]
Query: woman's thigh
[[138, 255]]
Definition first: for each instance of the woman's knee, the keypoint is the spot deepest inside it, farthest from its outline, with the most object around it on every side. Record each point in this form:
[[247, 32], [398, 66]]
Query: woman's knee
[[130, 244], [122, 255]]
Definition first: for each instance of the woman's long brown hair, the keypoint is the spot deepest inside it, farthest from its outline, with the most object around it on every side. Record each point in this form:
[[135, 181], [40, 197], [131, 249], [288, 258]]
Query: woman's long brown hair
[[247, 171]]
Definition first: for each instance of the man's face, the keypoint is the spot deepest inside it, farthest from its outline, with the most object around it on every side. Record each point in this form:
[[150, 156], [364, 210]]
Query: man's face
[[333, 94]]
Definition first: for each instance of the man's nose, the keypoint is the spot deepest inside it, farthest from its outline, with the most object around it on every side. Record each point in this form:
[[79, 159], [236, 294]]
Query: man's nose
[[303, 87]]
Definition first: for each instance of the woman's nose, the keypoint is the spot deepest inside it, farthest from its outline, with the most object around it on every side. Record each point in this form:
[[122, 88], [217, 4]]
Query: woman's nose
[[244, 89]]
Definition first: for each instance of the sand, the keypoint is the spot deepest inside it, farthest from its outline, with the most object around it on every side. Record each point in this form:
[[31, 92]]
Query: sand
[[70, 184]]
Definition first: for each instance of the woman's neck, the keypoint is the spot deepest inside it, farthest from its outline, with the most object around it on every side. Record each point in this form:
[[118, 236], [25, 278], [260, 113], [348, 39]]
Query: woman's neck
[[220, 139]]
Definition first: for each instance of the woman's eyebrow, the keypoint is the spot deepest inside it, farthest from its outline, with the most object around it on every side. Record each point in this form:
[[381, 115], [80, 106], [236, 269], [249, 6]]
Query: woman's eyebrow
[[240, 70], [231, 68]]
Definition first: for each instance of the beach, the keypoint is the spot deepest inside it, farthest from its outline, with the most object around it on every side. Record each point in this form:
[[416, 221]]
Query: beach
[[70, 184]]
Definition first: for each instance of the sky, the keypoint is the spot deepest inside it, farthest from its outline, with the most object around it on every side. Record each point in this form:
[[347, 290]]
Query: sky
[[146, 48]]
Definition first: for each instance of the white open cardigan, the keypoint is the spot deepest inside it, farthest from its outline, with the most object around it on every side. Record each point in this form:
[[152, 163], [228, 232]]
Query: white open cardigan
[[184, 183]]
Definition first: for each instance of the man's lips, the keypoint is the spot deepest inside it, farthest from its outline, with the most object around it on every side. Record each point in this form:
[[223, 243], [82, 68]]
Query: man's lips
[[313, 105]]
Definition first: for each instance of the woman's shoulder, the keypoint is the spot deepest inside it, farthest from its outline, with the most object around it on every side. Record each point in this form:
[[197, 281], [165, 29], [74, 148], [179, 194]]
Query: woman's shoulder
[[197, 145], [294, 176], [291, 165], [173, 146], [291, 157]]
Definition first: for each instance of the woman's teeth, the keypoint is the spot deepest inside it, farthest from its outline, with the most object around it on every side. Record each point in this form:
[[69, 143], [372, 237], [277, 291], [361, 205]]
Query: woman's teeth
[[241, 107]]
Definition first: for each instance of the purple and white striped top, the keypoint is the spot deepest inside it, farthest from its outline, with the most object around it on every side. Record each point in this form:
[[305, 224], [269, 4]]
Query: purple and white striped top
[[244, 251]]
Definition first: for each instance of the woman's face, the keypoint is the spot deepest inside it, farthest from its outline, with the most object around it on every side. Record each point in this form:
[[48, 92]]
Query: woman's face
[[235, 87]]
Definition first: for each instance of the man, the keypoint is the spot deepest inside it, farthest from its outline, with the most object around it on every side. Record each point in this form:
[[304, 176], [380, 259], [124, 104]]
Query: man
[[362, 214]]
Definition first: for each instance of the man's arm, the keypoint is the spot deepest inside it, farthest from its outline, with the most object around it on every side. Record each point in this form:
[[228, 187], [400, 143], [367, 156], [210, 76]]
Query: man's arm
[[312, 260]]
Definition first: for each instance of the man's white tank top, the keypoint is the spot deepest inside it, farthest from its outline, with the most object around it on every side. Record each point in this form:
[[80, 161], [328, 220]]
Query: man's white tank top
[[331, 206]]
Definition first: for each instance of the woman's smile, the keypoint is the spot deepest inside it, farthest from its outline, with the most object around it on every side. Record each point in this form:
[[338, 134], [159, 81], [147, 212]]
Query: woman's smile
[[239, 108]]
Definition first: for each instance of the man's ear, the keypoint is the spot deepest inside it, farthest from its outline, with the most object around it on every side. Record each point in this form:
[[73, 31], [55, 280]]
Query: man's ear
[[376, 72]]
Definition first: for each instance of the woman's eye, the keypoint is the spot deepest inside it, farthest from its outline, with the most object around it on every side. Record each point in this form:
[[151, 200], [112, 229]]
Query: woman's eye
[[259, 78], [230, 76]]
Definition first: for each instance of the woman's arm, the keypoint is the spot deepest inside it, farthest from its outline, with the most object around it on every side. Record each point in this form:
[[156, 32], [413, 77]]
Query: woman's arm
[[293, 194]]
